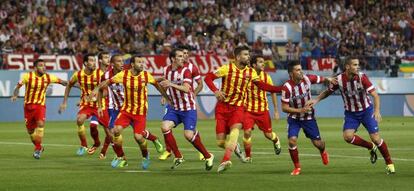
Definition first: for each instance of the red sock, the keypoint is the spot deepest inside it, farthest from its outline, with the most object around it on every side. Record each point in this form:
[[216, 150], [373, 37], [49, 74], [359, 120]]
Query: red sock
[[118, 150], [247, 148], [294, 155], [227, 154], [361, 142], [149, 136], [170, 140], [144, 150], [199, 146], [167, 147], [108, 140], [95, 134], [37, 143], [384, 152]]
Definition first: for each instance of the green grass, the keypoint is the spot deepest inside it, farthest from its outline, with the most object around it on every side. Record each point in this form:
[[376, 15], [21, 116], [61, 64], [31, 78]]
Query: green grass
[[349, 167]]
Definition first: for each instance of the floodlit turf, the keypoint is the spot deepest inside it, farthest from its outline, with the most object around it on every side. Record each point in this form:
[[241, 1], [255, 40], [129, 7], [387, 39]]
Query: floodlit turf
[[349, 167]]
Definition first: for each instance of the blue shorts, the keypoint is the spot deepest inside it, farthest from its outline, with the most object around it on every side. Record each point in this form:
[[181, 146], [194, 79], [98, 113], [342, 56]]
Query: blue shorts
[[188, 118], [94, 120], [113, 114], [310, 128], [354, 119]]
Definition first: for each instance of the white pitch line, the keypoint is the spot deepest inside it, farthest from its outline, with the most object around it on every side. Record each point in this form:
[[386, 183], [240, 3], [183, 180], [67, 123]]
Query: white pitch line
[[216, 150]]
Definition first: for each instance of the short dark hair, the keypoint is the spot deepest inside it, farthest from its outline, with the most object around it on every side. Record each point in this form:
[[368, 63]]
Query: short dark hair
[[184, 47], [349, 59], [173, 53], [134, 57], [254, 58], [100, 54], [239, 49], [113, 57], [36, 62], [291, 65], [86, 56]]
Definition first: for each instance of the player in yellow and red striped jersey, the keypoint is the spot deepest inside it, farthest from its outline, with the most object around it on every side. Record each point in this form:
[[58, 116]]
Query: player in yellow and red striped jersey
[[103, 64], [36, 83], [257, 110], [134, 108], [88, 78], [230, 106]]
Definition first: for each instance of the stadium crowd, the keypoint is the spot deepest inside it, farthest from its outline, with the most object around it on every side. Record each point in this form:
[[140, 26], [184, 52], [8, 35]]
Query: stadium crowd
[[373, 29]]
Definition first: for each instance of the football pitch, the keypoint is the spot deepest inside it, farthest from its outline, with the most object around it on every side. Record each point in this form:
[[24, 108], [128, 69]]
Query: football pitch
[[349, 167]]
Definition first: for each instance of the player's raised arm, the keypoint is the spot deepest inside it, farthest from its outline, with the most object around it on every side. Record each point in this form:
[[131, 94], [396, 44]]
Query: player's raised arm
[[267, 87]]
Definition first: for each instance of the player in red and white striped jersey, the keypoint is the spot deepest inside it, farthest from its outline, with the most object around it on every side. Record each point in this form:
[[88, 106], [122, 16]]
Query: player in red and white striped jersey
[[355, 87], [182, 109], [295, 93], [196, 77]]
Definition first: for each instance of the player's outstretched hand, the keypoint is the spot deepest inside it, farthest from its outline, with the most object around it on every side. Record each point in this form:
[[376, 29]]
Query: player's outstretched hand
[[62, 108], [333, 81], [377, 116], [310, 103], [276, 115], [165, 84], [13, 98], [220, 95], [92, 96], [163, 101]]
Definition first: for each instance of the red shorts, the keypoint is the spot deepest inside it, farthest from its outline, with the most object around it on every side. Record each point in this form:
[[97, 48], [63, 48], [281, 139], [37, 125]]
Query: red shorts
[[261, 119], [34, 113], [227, 115], [90, 111], [125, 119]]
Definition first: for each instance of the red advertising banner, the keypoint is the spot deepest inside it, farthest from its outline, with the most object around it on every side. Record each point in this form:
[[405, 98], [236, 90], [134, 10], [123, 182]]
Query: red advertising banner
[[321, 64], [155, 63]]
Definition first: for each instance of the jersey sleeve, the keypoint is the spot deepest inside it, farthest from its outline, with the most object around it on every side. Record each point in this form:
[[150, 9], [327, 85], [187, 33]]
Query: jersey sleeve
[[24, 79], [187, 76], [54, 79], [285, 95], [196, 73], [315, 79], [367, 84], [222, 71], [151, 79], [118, 78]]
